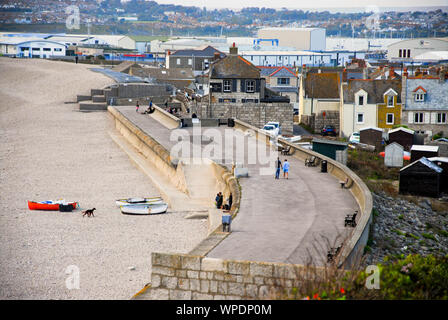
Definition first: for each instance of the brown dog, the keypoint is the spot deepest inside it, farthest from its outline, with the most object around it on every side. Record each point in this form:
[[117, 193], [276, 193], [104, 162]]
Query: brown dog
[[89, 212]]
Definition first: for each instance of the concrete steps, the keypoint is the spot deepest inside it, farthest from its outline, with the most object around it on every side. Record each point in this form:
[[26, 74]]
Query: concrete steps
[[99, 98], [96, 92], [92, 106]]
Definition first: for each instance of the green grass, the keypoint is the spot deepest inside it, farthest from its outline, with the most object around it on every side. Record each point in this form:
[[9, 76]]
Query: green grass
[[410, 235]]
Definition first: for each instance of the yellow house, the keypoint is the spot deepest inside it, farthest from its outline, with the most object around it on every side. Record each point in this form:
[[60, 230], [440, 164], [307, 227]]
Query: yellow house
[[389, 112]]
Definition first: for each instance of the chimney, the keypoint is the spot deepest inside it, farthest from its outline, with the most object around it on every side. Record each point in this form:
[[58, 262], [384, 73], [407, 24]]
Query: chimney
[[216, 56], [233, 50], [391, 72], [405, 72]]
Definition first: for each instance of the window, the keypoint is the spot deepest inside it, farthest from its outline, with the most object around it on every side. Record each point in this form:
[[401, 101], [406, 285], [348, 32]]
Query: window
[[250, 86], [190, 62], [390, 101], [284, 81], [216, 87], [441, 117], [36, 49], [409, 53], [47, 49], [178, 61], [57, 49], [419, 97], [360, 118], [418, 117], [361, 100], [390, 118], [400, 53], [227, 86]]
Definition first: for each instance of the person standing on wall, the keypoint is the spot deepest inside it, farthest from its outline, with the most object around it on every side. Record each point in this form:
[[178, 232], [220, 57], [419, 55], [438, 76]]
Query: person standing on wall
[[137, 106], [279, 166], [285, 169]]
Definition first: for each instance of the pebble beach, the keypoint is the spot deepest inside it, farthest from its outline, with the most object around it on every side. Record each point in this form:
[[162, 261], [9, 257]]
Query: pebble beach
[[50, 150]]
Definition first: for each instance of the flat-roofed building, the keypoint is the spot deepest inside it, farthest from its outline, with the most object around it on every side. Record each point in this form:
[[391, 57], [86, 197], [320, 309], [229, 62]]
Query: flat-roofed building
[[299, 38]]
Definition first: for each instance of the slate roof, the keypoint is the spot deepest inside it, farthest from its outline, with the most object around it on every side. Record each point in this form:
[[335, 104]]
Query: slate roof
[[281, 72], [436, 97], [375, 90], [322, 85], [234, 67], [208, 51], [426, 162]]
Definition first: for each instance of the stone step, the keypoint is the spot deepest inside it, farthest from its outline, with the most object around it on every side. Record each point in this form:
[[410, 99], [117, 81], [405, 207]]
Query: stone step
[[83, 98], [99, 98], [92, 106], [96, 92]]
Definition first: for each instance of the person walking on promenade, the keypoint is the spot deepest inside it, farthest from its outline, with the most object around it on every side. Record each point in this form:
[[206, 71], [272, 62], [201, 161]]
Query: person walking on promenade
[[285, 169], [219, 200], [137, 106], [230, 201], [278, 167]]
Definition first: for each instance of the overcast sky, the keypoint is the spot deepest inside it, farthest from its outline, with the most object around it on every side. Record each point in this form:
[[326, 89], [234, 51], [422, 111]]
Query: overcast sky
[[298, 4]]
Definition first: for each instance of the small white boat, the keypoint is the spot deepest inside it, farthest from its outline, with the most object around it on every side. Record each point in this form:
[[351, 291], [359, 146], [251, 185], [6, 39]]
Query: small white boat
[[128, 201], [144, 209]]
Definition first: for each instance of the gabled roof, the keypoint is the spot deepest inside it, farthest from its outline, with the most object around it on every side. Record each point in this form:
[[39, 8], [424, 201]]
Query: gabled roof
[[371, 128], [283, 72], [388, 92], [208, 51], [322, 85], [401, 129], [426, 162], [375, 90], [419, 88], [234, 66]]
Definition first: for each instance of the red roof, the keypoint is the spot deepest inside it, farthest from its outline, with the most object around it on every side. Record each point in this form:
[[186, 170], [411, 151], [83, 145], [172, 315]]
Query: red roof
[[418, 88]]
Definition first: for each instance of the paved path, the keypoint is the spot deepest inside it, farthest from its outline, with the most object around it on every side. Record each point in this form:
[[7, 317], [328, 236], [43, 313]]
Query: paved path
[[285, 220]]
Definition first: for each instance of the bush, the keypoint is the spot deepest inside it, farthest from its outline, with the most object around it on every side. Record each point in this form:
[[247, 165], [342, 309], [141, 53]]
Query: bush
[[413, 277]]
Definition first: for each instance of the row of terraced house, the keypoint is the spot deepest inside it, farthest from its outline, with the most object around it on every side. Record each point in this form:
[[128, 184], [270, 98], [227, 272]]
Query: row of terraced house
[[356, 98]]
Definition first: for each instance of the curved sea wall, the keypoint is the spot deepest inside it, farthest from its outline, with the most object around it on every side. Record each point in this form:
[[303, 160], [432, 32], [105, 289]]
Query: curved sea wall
[[354, 246]]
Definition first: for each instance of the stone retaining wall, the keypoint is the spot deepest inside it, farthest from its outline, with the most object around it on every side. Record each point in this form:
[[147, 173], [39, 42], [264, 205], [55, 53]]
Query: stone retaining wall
[[354, 247], [150, 148], [189, 277]]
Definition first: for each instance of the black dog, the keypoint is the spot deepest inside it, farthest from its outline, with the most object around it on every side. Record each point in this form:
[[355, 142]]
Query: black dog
[[89, 212]]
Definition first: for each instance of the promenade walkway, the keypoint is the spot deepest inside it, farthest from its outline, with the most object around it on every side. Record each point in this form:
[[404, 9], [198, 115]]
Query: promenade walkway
[[285, 220]]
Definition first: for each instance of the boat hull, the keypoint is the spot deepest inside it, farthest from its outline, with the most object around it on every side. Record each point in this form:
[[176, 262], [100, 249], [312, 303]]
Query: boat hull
[[48, 205], [144, 209], [139, 201]]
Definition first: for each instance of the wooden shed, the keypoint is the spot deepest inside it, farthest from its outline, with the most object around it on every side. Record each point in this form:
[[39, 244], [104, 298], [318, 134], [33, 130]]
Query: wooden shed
[[442, 162], [393, 155], [328, 147], [442, 143], [418, 151], [421, 178], [402, 136], [372, 136]]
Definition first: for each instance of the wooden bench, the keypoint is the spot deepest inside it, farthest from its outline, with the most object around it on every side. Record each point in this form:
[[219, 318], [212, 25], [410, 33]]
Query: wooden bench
[[311, 161], [350, 219], [344, 183], [285, 151]]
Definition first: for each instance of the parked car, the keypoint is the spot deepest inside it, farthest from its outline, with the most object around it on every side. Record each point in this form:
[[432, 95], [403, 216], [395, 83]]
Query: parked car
[[277, 125], [354, 138], [328, 130], [270, 130]]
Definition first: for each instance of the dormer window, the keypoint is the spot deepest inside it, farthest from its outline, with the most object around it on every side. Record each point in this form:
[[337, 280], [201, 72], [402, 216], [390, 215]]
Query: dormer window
[[419, 97], [419, 94], [361, 97], [361, 100], [389, 97], [390, 101]]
